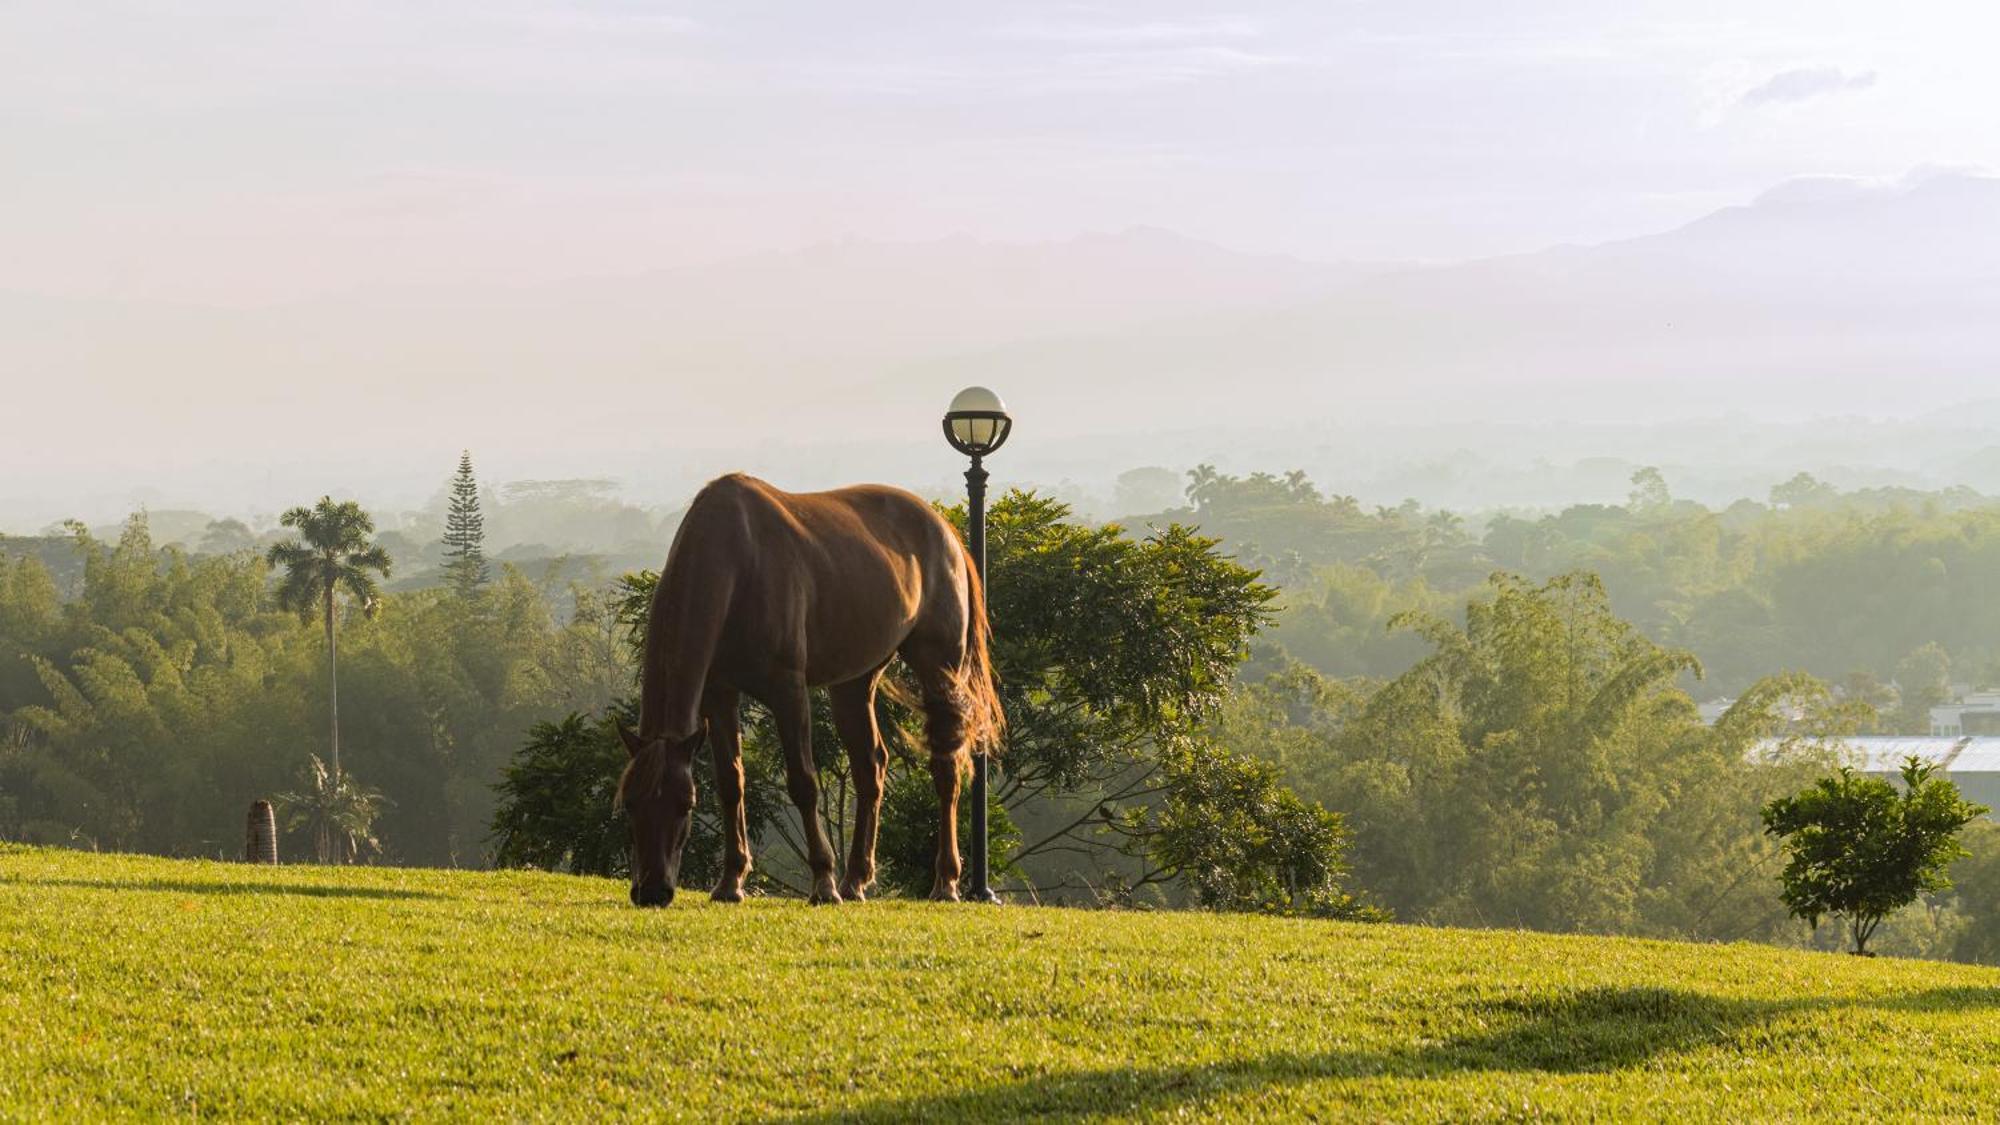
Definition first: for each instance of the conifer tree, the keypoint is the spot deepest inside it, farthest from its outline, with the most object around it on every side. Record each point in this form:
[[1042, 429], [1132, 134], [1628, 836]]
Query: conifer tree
[[465, 533]]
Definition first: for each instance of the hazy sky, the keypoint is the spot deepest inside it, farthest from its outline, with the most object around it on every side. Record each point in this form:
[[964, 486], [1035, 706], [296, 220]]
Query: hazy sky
[[242, 152], [357, 177]]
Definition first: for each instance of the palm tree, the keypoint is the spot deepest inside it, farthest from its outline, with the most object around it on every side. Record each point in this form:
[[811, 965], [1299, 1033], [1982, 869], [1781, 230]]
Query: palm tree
[[339, 812], [331, 554]]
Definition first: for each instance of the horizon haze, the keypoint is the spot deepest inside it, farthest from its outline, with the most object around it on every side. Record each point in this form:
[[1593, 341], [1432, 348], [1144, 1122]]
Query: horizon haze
[[254, 256]]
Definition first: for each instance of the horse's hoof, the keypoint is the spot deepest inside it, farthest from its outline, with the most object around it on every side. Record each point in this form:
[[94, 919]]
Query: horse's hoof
[[947, 892], [854, 892], [726, 892], [825, 896]]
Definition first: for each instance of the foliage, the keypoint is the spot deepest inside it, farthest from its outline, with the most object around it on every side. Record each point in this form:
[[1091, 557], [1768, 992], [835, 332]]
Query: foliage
[[556, 801], [1539, 768], [147, 706], [332, 554], [1649, 492], [1858, 849], [1823, 581], [147, 695], [145, 988], [906, 849], [1111, 651], [1976, 880], [1243, 841], [555, 811], [1923, 680], [336, 811], [465, 533]]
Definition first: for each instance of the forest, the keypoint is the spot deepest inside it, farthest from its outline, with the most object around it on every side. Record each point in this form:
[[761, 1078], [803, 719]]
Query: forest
[[1258, 696]]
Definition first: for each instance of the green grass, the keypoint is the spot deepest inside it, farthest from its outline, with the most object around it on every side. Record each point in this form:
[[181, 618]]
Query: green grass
[[134, 987]]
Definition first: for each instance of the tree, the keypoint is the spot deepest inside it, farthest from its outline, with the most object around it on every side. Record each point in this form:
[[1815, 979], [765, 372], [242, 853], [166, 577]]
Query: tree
[[338, 812], [465, 533], [1112, 651], [1923, 680], [556, 801], [332, 554], [1649, 494], [1242, 841], [223, 537], [1541, 768], [1976, 878], [1859, 850], [1803, 491], [1147, 489]]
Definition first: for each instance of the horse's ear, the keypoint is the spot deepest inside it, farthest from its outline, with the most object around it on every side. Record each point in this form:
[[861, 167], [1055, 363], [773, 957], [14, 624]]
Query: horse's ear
[[630, 740]]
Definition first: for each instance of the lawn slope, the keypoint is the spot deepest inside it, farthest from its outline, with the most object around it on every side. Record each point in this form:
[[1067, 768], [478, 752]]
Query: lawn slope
[[140, 987]]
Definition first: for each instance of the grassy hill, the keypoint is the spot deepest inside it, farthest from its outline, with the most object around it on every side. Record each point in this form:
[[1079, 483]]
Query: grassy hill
[[140, 987]]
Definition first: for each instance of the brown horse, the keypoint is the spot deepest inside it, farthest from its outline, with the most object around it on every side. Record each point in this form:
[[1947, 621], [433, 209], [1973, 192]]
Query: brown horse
[[770, 593]]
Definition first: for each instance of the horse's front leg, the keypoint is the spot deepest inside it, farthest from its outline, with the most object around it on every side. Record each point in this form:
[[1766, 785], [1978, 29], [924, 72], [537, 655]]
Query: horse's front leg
[[725, 744], [791, 707]]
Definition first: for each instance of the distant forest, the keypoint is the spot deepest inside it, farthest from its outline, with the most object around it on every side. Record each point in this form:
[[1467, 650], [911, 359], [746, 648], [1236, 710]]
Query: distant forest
[[1890, 594], [151, 684], [1875, 589]]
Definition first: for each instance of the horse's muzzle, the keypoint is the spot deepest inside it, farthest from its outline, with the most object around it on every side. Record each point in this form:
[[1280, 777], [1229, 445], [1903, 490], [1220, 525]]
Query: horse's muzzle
[[661, 895]]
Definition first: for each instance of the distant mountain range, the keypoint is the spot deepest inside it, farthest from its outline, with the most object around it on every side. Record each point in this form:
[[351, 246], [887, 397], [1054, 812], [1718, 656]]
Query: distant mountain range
[[1821, 297], [1804, 302]]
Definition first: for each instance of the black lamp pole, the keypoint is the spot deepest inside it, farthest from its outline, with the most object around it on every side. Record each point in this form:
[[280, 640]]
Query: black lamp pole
[[976, 425], [978, 889]]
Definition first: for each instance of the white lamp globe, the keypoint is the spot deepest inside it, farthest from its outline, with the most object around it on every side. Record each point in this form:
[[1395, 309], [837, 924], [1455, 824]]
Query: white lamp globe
[[977, 422]]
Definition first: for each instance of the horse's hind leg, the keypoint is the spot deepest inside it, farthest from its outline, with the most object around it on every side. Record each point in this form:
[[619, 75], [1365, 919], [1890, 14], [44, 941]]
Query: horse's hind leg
[[854, 716], [792, 708], [944, 732]]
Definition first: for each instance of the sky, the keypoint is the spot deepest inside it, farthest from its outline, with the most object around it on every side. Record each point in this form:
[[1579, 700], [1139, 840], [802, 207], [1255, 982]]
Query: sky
[[253, 152], [236, 236]]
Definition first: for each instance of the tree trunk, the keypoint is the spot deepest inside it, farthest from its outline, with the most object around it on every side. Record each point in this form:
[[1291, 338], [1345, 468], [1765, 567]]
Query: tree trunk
[[260, 842], [333, 683]]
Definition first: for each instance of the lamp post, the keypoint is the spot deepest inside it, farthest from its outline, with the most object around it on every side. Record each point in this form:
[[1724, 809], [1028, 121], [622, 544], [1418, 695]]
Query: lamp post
[[976, 425]]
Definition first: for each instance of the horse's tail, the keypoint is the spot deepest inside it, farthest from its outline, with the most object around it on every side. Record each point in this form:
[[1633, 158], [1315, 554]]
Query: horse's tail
[[978, 688]]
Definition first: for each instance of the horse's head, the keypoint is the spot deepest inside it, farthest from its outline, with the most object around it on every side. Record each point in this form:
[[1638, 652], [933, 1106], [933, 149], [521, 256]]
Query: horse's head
[[657, 792]]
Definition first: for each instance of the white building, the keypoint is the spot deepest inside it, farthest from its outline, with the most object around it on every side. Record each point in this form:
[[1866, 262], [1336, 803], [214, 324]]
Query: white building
[[1975, 713], [1970, 761]]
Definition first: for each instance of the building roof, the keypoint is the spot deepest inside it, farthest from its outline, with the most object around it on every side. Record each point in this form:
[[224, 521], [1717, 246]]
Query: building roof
[[1886, 753], [1981, 755]]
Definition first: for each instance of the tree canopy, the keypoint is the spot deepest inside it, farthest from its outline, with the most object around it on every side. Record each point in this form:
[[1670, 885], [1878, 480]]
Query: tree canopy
[[1858, 848]]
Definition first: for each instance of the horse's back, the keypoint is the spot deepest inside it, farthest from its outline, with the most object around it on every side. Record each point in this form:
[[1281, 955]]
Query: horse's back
[[867, 514], [854, 570]]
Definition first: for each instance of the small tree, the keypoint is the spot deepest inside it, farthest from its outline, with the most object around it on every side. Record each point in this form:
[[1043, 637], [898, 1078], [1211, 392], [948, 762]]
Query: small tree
[[1242, 841], [337, 811], [1861, 851], [556, 810], [1649, 495], [465, 533], [1803, 491]]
